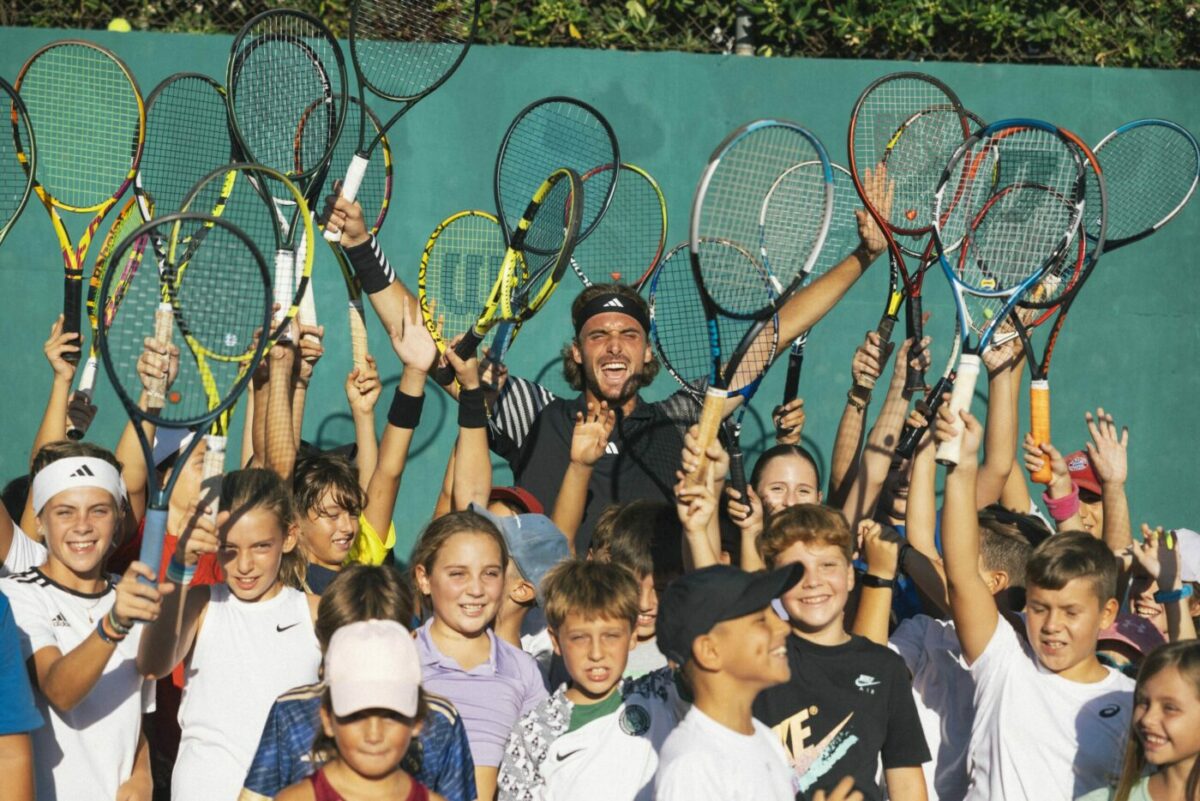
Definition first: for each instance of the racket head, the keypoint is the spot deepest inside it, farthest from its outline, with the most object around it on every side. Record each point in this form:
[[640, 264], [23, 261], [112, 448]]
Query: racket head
[[1152, 166], [460, 266], [734, 202], [126, 222], [546, 135], [842, 238], [546, 235], [285, 75], [16, 174], [375, 193], [404, 49], [219, 301], [628, 242], [187, 135], [89, 142]]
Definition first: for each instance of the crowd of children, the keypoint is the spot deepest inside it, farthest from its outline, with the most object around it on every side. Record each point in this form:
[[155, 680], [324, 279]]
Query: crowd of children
[[618, 626]]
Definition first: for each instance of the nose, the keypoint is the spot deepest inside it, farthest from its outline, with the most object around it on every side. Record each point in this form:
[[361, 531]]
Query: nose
[[346, 522], [245, 562], [475, 586], [1053, 621], [595, 652], [374, 729]]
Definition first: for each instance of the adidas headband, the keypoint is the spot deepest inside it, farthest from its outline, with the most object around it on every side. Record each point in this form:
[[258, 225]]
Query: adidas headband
[[611, 302], [72, 472]]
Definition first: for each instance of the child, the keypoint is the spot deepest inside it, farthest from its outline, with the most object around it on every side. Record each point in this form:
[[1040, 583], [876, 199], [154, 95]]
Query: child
[[244, 641], [78, 635], [458, 566], [716, 624], [1164, 737], [438, 757], [597, 736], [369, 712], [1049, 716], [849, 701]]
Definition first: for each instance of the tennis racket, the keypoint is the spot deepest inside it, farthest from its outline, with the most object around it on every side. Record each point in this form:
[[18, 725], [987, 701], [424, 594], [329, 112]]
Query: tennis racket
[[628, 242], [786, 238], [545, 136], [18, 169], [402, 50], [904, 128], [1011, 231], [219, 302], [90, 120], [551, 220]]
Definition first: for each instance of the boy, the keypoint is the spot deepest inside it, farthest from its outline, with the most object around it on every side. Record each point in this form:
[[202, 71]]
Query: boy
[[849, 701], [596, 737], [717, 625], [1050, 720]]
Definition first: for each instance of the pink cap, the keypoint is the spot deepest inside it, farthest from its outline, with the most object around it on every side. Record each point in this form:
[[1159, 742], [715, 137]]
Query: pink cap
[[373, 664], [1134, 631], [1081, 472]]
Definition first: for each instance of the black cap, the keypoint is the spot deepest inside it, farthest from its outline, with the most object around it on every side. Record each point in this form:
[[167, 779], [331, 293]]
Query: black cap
[[696, 602]]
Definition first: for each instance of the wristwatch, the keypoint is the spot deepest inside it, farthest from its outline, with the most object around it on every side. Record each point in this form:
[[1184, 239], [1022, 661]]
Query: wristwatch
[[867, 580]]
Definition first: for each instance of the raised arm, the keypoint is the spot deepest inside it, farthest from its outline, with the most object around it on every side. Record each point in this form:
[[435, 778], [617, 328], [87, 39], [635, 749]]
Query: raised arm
[[156, 360], [1108, 454], [362, 393], [280, 441], [1000, 435], [472, 462], [865, 369], [309, 351], [1158, 554], [882, 548], [696, 502], [923, 563], [1015, 495], [588, 441]]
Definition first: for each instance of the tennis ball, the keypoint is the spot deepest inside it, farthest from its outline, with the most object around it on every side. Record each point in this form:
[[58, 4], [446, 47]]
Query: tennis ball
[[120, 25]]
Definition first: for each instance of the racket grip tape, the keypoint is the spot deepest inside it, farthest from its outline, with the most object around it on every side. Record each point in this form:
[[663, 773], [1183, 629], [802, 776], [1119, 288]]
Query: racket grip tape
[[1039, 425], [791, 384], [71, 312], [153, 532], [711, 417], [465, 349], [915, 377], [910, 436], [737, 472], [358, 335], [87, 385], [350, 186], [164, 322], [964, 390], [212, 470]]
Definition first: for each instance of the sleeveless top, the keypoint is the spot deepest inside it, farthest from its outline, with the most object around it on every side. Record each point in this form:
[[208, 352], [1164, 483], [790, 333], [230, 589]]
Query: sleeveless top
[[324, 790]]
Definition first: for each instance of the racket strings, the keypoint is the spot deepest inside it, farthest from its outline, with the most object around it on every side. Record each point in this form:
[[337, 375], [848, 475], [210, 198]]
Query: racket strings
[[463, 263], [1020, 230], [405, 47], [628, 241], [88, 116], [14, 174], [792, 214], [842, 237], [125, 224], [1150, 171], [546, 231]]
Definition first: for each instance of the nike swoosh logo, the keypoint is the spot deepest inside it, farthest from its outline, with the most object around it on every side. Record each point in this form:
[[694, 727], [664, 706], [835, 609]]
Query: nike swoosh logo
[[568, 755], [285, 628]]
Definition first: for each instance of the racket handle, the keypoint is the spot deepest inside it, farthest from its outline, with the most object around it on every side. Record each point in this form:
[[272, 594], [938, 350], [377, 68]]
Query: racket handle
[[71, 316], [308, 305], [285, 283], [1039, 424], [466, 348], [711, 417], [964, 390], [212, 470], [910, 436], [358, 335], [153, 532], [914, 380], [164, 322], [87, 385], [791, 384], [350, 185], [737, 469]]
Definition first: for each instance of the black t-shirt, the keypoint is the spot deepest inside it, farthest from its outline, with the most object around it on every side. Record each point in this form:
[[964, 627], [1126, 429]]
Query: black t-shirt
[[845, 706]]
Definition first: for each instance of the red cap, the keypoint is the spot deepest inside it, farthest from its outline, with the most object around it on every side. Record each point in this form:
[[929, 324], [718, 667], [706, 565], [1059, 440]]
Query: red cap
[[519, 497], [1134, 631], [1081, 472]]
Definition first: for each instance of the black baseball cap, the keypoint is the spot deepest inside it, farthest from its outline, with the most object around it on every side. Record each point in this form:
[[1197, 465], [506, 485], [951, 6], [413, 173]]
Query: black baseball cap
[[696, 602]]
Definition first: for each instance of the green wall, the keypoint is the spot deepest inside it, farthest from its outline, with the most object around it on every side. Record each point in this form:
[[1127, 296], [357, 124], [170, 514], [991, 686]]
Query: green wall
[[1130, 345]]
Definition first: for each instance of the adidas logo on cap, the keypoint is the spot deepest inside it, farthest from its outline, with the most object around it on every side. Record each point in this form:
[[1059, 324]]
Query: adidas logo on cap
[[84, 470], [614, 303]]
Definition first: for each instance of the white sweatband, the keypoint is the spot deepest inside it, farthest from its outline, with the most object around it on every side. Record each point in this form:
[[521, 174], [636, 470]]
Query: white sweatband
[[72, 472]]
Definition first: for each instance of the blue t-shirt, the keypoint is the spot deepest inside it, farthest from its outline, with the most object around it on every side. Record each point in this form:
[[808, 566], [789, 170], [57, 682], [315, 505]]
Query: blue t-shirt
[[17, 713], [439, 756]]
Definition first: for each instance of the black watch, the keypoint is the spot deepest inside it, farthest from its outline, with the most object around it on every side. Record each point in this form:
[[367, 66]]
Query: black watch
[[867, 580]]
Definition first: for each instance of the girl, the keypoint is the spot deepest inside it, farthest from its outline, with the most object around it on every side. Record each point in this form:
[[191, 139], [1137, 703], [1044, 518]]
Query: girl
[[244, 642], [458, 566], [1165, 730], [369, 712], [786, 475]]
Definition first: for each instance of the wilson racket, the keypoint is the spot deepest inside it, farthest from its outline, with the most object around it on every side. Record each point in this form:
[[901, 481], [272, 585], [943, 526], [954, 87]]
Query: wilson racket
[[1011, 231], [547, 135], [628, 242], [786, 238], [219, 302], [904, 128], [17, 170], [402, 50], [87, 110], [551, 220]]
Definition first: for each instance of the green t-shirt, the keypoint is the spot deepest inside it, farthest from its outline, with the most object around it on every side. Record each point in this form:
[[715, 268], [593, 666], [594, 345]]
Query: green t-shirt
[[1141, 792], [583, 714]]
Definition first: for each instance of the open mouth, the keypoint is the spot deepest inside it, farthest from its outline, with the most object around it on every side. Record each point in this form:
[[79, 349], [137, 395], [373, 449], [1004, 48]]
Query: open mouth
[[245, 583], [471, 610], [82, 546], [814, 600], [598, 675], [343, 543], [614, 370]]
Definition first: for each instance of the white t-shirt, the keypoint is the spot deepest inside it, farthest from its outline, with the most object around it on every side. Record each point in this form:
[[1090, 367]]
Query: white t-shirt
[[703, 760], [645, 658], [24, 553], [1038, 736], [944, 692], [87, 752]]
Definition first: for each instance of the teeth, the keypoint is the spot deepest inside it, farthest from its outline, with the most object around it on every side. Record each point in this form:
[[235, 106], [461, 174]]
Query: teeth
[[780, 651]]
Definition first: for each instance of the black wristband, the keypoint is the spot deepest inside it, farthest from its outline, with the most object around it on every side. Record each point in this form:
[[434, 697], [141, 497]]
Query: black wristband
[[472, 413], [867, 580], [370, 265], [405, 411]]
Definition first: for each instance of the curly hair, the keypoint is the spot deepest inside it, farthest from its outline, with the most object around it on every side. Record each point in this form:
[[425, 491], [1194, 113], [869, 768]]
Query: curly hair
[[572, 371]]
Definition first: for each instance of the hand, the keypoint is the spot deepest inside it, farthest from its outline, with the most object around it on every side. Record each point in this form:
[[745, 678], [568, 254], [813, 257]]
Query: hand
[[918, 359], [947, 428], [718, 458], [881, 192], [312, 348], [1107, 454], [199, 536], [137, 601], [998, 358], [492, 376], [1060, 476], [590, 437], [466, 371], [158, 360], [345, 216], [411, 341], [881, 547], [746, 516], [695, 504], [789, 422], [844, 791], [138, 787], [80, 411], [869, 358], [916, 419], [363, 388], [1158, 555], [56, 347]]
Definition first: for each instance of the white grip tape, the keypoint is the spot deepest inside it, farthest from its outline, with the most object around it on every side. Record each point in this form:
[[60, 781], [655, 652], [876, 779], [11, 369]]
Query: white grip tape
[[308, 305], [964, 390], [87, 379], [350, 186], [285, 283]]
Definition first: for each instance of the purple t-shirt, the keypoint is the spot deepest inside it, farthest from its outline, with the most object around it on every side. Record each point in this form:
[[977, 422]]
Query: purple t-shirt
[[490, 697]]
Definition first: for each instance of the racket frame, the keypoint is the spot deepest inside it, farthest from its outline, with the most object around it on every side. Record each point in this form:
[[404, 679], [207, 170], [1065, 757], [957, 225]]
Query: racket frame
[[26, 157], [642, 175]]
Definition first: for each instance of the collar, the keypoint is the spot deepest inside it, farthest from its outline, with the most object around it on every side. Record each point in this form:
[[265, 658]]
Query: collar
[[432, 656]]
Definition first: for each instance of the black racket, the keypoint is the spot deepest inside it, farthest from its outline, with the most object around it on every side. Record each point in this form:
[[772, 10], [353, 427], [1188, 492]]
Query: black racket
[[18, 168]]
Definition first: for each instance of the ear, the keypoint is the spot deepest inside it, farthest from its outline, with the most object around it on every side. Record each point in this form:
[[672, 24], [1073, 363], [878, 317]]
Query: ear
[[633, 640], [576, 355], [706, 653], [523, 593], [291, 537], [1108, 612], [326, 721], [851, 579], [422, 579], [648, 353], [554, 641], [998, 581]]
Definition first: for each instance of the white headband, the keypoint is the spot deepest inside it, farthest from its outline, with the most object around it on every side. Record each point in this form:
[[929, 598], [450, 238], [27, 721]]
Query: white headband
[[75, 471]]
